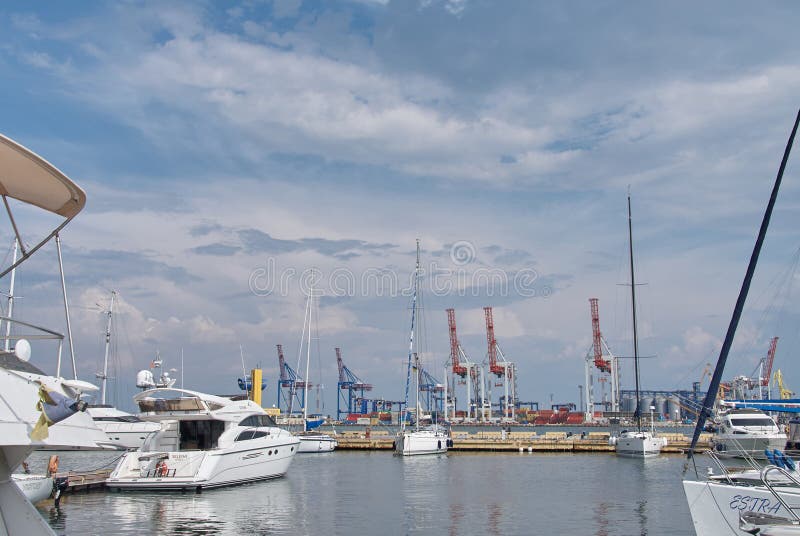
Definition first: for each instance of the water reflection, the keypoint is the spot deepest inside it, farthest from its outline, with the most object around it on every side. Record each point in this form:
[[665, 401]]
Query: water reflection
[[345, 493]]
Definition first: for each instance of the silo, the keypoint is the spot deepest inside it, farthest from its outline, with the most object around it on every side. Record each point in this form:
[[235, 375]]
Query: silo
[[661, 407], [674, 407]]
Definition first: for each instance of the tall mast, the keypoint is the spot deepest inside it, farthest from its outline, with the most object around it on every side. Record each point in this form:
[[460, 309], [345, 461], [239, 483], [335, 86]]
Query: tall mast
[[104, 384], [633, 308], [308, 353], [411, 340], [11, 297]]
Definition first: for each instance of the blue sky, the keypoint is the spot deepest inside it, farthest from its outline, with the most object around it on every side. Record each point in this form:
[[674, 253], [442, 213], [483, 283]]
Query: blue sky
[[218, 140]]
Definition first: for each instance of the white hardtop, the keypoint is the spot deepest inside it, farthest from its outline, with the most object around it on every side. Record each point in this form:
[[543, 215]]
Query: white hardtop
[[183, 404], [31, 179]]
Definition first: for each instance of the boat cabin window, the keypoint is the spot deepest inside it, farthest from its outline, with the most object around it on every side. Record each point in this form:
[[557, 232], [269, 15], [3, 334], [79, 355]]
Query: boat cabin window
[[121, 418], [258, 420], [250, 434], [158, 405], [753, 421], [200, 435]]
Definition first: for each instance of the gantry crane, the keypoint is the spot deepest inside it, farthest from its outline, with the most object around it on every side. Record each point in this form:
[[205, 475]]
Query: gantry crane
[[784, 391], [461, 367], [501, 369], [433, 393], [291, 386], [600, 357], [351, 390]]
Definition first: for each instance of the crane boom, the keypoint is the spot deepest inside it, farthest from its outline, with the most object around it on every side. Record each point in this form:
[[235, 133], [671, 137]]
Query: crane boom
[[603, 364], [455, 360], [773, 344], [491, 342]]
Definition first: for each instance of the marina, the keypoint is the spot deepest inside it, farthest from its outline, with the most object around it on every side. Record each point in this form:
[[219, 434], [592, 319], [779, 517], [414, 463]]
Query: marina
[[383, 267]]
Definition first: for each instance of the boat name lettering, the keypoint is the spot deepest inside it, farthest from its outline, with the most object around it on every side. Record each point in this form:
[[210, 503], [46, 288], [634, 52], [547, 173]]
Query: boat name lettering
[[179, 456], [754, 504]]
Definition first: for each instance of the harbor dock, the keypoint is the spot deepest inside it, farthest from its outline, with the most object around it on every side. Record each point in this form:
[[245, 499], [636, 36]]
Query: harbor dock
[[497, 441]]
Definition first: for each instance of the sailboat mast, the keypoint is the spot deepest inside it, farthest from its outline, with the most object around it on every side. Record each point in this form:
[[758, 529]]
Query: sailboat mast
[[308, 353], [104, 384], [411, 337], [633, 309]]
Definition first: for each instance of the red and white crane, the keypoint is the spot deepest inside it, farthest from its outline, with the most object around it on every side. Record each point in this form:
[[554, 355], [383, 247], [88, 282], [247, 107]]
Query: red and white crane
[[601, 358], [501, 368], [460, 365]]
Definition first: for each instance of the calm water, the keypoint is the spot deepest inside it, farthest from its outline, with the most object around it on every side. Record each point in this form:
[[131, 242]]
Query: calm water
[[377, 493]]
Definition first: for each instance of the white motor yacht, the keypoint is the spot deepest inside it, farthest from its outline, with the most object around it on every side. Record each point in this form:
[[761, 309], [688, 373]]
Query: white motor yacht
[[746, 432], [204, 441]]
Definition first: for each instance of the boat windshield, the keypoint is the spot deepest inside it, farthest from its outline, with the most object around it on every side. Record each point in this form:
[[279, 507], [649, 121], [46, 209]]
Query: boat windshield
[[753, 422], [258, 420], [185, 404]]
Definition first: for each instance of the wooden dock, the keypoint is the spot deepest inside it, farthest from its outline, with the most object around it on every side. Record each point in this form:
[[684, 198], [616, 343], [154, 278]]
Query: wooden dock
[[85, 480], [516, 442]]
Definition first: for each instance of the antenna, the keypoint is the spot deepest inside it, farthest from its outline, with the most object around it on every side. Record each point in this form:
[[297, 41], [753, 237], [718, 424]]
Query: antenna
[[244, 372]]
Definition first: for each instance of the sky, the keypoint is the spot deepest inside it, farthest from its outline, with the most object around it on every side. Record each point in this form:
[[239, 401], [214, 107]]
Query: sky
[[228, 148]]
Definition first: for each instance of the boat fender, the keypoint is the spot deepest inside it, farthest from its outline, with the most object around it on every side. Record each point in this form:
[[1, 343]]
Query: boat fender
[[783, 460], [770, 457]]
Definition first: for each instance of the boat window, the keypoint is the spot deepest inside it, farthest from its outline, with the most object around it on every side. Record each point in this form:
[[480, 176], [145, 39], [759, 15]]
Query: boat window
[[753, 422], [200, 435], [258, 420], [247, 435], [191, 404]]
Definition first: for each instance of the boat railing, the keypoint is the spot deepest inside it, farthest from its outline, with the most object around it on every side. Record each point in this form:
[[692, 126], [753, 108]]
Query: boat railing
[[765, 472], [160, 473]]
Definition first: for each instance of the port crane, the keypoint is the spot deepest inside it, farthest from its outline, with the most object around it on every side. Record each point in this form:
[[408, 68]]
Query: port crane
[[351, 390], [432, 391], [291, 386], [785, 392], [467, 372], [502, 369], [601, 358]]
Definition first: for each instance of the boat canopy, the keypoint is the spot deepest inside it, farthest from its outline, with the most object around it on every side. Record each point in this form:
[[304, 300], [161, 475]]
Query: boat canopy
[[29, 178]]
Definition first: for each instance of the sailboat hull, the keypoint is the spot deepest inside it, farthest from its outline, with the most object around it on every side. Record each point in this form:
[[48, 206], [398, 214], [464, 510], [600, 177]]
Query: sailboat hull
[[421, 442], [316, 443], [715, 507], [639, 445]]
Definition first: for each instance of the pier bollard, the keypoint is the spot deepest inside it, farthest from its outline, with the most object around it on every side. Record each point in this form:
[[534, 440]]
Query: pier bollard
[[521, 449], [530, 449]]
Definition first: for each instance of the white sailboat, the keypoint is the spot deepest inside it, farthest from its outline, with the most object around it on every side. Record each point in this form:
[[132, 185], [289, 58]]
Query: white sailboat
[[639, 443], [310, 440], [419, 440], [37, 410]]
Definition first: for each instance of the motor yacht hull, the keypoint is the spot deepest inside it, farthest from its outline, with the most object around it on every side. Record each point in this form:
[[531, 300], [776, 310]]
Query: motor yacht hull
[[715, 507], [202, 469], [421, 442], [741, 446]]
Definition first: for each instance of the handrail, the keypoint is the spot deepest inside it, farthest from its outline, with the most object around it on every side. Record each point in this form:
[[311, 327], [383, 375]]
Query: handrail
[[764, 478]]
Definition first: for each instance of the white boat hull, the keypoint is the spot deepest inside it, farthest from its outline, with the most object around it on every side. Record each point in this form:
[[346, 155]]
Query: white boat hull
[[317, 443], [639, 445], [35, 487], [741, 447], [421, 442], [203, 469], [715, 507]]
